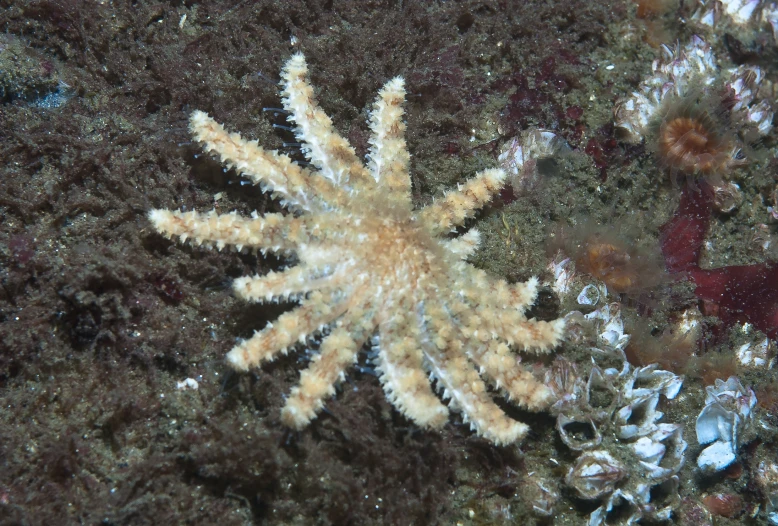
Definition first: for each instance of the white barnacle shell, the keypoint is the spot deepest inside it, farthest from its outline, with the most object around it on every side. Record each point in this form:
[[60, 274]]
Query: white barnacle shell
[[613, 327], [578, 442], [534, 143], [589, 295], [754, 355], [520, 155], [563, 273], [595, 473], [648, 450], [741, 11], [627, 503], [542, 494], [645, 406], [717, 456], [743, 84], [728, 407], [651, 379], [770, 16]]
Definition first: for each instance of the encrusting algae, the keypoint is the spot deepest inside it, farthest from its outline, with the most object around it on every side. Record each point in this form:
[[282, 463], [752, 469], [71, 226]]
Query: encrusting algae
[[373, 270]]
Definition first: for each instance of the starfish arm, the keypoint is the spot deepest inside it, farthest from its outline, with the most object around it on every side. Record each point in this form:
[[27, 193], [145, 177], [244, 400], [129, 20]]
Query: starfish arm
[[327, 150], [400, 363], [467, 393], [316, 311], [338, 350], [284, 285], [458, 205], [482, 290], [497, 362], [297, 187], [388, 155], [462, 385], [532, 335], [465, 245], [274, 232]]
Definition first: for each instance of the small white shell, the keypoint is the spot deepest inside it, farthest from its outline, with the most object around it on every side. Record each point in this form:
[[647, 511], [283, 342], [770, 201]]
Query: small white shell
[[648, 450], [752, 355], [589, 295], [716, 423], [563, 274], [767, 480], [770, 15], [717, 456], [595, 473]]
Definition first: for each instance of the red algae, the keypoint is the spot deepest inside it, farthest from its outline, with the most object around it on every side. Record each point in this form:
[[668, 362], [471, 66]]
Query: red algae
[[683, 235], [735, 293], [742, 293], [724, 504]]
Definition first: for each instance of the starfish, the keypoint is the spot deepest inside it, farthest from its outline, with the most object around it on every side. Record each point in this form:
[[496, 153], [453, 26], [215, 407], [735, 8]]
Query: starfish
[[372, 270]]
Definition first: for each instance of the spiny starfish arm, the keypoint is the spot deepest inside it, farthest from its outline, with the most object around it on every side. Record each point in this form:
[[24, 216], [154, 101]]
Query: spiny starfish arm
[[400, 363], [482, 290], [458, 205], [539, 337], [284, 285], [316, 311], [465, 245], [327, 150], [445, 355], [498, 363], [297, 187], [338, 351], [467, 394], [388, 157], [274, 232]]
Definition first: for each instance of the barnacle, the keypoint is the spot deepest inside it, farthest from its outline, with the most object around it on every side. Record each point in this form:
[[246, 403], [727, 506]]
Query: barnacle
[[628, 460]]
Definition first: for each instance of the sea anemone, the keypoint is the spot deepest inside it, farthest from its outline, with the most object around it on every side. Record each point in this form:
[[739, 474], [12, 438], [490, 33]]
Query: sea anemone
[[690, 138], [612, 255], [688, 104]]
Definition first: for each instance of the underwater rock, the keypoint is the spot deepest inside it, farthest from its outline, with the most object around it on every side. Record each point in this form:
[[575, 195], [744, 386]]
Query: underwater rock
[[767, 480]]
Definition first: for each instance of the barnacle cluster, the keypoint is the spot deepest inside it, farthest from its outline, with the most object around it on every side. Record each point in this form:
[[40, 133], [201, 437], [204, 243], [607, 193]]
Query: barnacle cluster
[[627, 458], [740, 13]]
